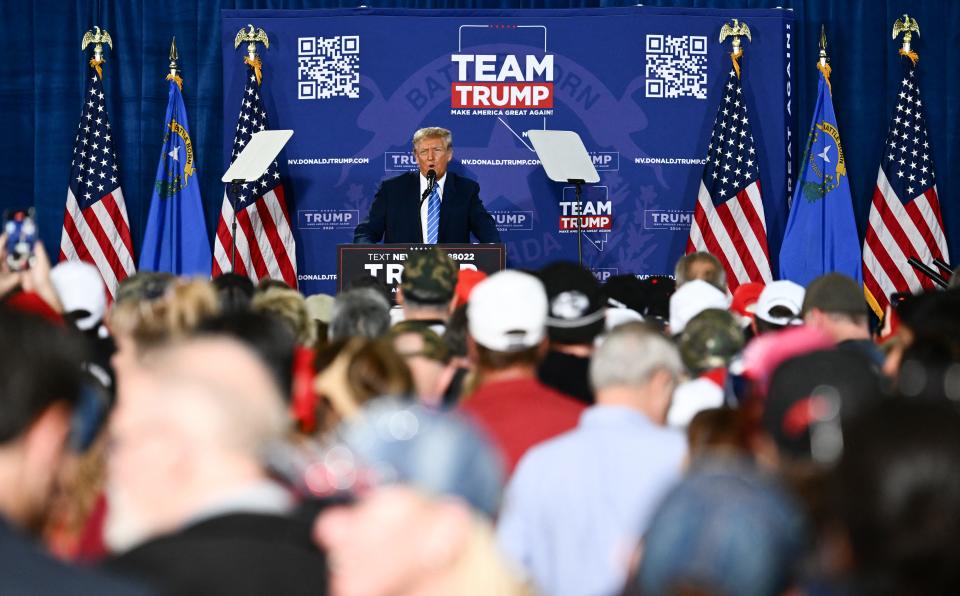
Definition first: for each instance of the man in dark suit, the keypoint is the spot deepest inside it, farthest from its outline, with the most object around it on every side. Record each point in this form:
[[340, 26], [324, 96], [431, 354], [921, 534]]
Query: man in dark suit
[[451, 208]]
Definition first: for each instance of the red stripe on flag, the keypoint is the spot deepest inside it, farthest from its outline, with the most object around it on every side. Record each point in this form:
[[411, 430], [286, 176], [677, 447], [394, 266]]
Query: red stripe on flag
[[226, 241], [756, 221], [282, 201], [886, 260], [934, 201], [713, 246], [74, 234], [276, 244], [913, 210], [110, 204], [256, 257], [106, 245], [873, 287], [739, 243], [900, 236]]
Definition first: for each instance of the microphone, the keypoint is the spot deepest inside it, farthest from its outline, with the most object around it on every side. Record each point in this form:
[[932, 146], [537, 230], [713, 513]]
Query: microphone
[[431, 183]]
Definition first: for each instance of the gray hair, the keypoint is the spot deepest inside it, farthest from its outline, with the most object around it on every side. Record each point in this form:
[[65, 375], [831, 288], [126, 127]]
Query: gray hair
[[361, 312], [433, 132], [681, 271], [630, 355]]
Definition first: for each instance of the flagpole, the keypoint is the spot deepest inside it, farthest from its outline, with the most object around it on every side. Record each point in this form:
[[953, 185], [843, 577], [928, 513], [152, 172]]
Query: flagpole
[[253, 60]]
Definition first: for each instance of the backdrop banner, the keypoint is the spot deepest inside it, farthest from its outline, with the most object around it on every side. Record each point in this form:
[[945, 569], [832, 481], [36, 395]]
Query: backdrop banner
[[640, 85]]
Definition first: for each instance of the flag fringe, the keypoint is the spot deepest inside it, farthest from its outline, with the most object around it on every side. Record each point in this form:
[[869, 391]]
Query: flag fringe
[[826, 70], [256, 65], [913, 56], [95, 64], [176, 79], [735, 57]]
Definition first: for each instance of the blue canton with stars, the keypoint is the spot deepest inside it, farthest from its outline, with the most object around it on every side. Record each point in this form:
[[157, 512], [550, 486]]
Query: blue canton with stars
[[93, 170], [253, 118], [907, 160], [732, 155]]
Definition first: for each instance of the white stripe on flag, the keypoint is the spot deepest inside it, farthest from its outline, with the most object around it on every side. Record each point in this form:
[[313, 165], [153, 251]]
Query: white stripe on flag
[[885, 237], [720, 233], [91, 243], [897, 210]]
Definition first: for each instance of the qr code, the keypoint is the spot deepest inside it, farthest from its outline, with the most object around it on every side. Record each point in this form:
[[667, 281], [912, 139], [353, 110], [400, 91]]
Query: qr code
[[676, 66], [328, 67]]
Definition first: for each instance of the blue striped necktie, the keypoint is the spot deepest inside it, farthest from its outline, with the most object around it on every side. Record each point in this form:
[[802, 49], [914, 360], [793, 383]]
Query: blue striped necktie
[[433, 217]]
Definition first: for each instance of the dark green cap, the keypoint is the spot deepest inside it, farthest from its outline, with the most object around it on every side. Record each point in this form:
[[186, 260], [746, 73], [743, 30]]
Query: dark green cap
[[433, 346], [429, 276], [710, 340]]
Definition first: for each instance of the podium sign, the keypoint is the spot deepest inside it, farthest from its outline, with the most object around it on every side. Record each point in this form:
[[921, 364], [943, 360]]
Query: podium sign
[[385, 261]]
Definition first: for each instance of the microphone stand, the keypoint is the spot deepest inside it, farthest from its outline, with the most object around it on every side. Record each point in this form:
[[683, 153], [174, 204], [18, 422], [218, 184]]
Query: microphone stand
[[234, 198], [431, 182], [578, 186], [928, 272]]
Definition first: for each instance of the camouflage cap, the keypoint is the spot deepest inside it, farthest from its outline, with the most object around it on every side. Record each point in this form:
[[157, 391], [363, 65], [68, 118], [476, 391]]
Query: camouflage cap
[[429, 276], [432, 346], [710, 340]]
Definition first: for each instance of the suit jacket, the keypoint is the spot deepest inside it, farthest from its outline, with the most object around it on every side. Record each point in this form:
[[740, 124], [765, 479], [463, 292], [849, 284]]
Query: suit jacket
[[25, 570], [395, 214], [241, 554]]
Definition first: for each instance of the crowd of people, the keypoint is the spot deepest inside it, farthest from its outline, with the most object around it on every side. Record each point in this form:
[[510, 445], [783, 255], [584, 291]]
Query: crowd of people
[[526, 432]]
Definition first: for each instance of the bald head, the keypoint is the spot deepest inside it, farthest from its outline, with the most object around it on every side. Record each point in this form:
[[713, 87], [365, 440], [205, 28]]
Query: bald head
[[220, 390], [195, 428]]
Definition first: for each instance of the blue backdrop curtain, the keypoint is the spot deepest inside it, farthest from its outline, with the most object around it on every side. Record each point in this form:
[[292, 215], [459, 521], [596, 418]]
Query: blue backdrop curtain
[[41, 86]]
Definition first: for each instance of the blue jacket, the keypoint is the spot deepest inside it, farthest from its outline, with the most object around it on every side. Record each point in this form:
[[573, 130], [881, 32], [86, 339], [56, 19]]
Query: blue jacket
[[395, 214]]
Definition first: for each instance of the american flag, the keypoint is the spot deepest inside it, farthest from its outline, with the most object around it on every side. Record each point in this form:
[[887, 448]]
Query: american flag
[[905, 215], [95, 224], [728, 221], [265, 245]]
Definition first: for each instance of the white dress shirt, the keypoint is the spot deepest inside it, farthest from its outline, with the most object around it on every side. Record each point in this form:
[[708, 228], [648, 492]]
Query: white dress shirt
[[426, 203]]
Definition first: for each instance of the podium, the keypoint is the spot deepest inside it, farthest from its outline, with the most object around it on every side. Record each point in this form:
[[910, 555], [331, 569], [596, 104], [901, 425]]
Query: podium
[[385, 261]]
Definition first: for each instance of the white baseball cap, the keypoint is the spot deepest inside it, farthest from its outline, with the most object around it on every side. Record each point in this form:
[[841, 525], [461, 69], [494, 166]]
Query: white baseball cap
[[783, 293], [691, 299], [80, 288], [507, 312]]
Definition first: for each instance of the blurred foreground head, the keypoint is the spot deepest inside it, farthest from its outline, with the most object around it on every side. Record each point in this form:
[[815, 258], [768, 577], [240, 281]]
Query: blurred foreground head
[[351, 373], [811, 398], [898, 491], [153, 312], [40, 379], [725, 530], [195, 428], [416, 525]]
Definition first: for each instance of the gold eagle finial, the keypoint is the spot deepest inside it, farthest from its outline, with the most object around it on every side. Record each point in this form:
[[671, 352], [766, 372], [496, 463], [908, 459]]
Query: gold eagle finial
[[251, 37], [98, 37], [735, 30], [907, 26]]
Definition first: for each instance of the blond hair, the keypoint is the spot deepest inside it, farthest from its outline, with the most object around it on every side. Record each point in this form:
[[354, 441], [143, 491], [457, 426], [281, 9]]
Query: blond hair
[[289, 306], [432, 132], [171, 317]]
